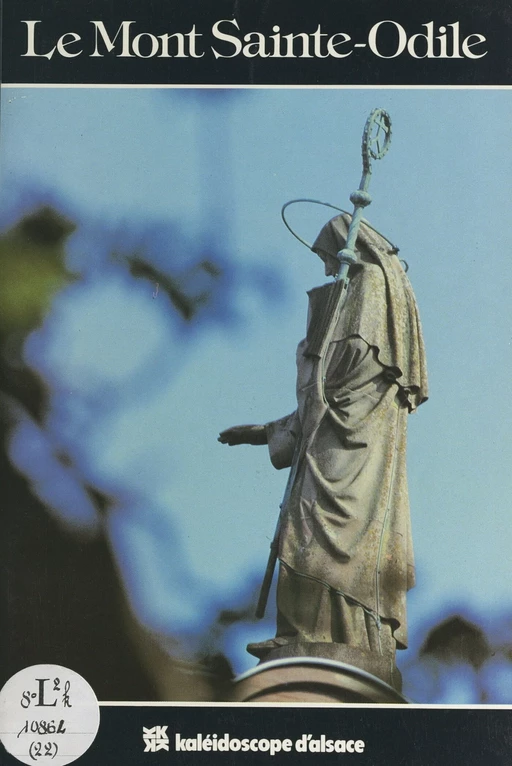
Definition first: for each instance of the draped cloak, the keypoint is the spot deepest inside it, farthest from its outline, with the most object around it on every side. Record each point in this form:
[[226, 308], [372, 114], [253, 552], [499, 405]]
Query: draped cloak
[[346, 523]]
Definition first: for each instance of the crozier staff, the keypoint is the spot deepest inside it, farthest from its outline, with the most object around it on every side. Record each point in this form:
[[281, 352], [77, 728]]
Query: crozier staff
[[344, 543]]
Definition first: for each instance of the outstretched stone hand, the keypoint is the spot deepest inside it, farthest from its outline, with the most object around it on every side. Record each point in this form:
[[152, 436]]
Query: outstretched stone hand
[[243, 435]]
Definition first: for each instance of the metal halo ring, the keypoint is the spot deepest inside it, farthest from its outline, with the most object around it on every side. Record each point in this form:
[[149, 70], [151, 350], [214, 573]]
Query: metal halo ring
[[313, 201], [334, 207]]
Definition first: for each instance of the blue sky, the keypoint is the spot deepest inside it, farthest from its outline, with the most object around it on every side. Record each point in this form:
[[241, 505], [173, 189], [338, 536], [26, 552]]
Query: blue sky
[[141, 402]]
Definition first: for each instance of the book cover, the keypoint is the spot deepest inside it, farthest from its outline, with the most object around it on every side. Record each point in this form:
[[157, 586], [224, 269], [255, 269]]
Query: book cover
[[151, 296]]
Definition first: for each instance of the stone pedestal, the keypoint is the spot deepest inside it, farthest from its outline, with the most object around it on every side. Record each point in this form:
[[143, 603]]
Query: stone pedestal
[[312, 680], [381, 667]]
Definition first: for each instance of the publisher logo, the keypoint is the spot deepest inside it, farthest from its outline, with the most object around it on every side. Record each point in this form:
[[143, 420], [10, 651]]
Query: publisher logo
[[155, 739]]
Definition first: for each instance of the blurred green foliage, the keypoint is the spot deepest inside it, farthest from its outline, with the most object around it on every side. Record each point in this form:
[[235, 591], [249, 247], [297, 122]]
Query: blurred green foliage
[[33, 268]]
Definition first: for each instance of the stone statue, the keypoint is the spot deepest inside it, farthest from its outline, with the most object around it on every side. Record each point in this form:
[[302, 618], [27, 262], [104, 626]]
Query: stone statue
[[345, 550], [344, 539]]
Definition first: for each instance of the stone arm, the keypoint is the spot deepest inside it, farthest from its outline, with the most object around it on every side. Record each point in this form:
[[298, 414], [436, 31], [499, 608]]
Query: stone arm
[[251, 434], [280, 435]]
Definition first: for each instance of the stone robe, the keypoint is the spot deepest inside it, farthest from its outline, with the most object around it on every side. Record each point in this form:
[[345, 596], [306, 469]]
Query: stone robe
[[345, 543]]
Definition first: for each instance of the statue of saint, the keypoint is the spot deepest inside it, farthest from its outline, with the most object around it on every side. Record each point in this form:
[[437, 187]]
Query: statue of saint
[[345, 550]]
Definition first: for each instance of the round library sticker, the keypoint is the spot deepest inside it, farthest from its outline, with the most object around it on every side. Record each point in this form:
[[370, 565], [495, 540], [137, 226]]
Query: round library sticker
[[48, 713]]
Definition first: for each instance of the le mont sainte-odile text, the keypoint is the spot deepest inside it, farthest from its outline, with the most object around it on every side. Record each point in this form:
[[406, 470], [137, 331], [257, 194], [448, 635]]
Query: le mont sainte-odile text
[[386, 39]]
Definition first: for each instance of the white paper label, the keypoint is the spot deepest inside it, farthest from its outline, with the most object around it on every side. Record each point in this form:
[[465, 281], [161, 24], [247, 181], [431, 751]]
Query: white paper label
[[48, 714]]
